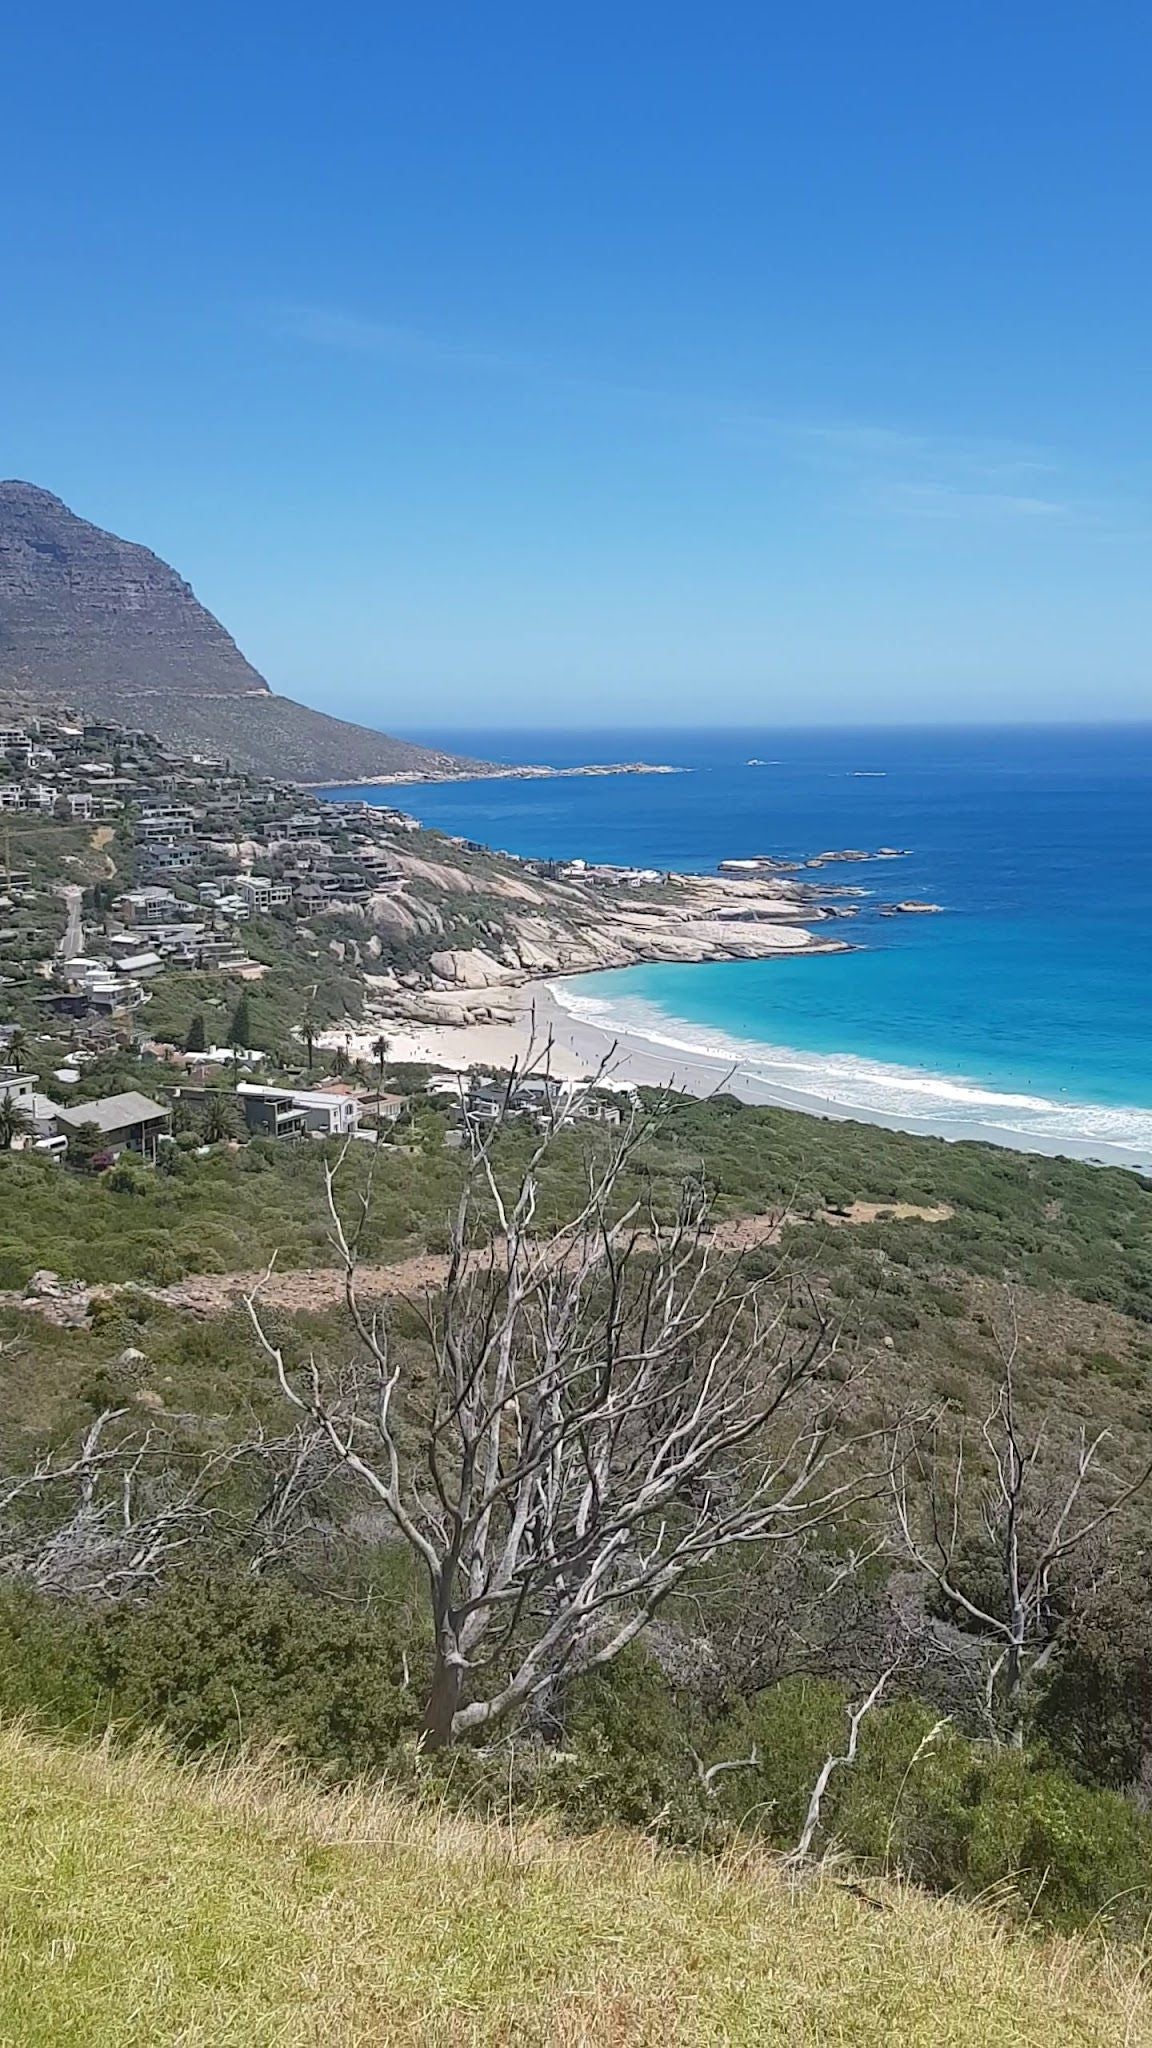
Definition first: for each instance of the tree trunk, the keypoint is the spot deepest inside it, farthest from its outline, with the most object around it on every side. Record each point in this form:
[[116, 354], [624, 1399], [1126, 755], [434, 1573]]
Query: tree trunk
[[441, 1704], [1013, 1695]]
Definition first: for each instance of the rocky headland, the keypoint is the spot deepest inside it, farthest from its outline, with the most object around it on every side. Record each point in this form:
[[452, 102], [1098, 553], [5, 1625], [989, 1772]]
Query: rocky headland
[[525, 927], [89, 619]]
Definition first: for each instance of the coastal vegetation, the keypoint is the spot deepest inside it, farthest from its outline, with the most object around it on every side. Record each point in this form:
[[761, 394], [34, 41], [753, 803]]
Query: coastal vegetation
[[245, 1907], [771, 1487], [287, 1610]]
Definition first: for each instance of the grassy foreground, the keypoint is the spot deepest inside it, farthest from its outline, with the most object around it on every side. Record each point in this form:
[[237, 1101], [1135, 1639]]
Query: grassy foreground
[[148, 1904]]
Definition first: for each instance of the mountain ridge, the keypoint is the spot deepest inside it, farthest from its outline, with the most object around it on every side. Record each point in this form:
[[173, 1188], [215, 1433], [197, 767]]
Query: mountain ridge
[[89, 618]]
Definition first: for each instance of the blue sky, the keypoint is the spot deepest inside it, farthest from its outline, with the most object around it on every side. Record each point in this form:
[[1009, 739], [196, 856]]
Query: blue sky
[[496, 364]]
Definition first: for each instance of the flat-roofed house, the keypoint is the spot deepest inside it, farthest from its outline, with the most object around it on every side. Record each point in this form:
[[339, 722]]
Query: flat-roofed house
[[260, 893], [272, 1113], [136, 906], [130, 1122], [328, 1112]]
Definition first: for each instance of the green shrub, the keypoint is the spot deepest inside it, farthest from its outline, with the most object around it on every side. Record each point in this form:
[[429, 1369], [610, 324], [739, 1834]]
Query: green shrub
[[629, 1738], [975, 1821], [237, 1658], [49, 1662], [125, 1179]]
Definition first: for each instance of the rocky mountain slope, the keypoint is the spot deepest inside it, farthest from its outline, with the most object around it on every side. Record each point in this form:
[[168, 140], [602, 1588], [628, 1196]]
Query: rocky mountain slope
[[92, 620]]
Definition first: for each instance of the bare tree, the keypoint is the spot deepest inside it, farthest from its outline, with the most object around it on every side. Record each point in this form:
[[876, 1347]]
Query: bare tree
[[803, 1607], [1028, 1512], [592, 1417], [91, 1523], [832, 1763], [110, 1519]]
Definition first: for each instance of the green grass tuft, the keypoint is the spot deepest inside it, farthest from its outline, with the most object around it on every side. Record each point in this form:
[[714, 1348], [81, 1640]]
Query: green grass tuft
[[150, 1904]]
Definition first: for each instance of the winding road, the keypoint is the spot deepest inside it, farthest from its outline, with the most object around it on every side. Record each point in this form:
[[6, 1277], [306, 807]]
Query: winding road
[[73, 941]]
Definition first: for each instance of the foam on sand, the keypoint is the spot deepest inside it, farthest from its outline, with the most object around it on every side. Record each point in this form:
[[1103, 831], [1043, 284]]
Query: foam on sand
[[844, 1083]]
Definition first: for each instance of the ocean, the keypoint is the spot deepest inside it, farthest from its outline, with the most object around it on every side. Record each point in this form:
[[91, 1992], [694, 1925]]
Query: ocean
[[1026, 1006]]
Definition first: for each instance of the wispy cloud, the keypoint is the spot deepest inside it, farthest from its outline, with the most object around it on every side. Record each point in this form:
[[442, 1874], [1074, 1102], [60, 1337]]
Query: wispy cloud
[[894, 471], [328, 327], [951, 501]]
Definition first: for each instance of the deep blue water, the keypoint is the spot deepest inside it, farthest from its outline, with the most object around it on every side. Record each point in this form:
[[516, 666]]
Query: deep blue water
[[1029, 1004]]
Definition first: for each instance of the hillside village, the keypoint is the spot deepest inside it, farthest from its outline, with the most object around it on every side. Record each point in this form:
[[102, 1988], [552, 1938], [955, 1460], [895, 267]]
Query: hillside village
[[195, 931], [203, 977], [146, 895]]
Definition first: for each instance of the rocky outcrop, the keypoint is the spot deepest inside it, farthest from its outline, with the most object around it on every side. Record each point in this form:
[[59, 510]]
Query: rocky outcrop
[[525, 927], [470, 968], [92, 620]]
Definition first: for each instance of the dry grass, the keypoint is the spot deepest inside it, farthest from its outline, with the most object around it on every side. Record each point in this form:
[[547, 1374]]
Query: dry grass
[[149, 1905]]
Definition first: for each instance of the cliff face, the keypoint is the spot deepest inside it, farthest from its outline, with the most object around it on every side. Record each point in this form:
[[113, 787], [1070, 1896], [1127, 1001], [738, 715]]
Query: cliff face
[[92, 620]]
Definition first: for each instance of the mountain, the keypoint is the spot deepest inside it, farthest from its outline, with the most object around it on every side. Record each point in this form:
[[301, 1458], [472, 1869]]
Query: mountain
[[92, 620]]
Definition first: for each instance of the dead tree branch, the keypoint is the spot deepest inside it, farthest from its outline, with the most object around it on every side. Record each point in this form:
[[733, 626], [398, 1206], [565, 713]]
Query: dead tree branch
[[857, 1717], [595, 1416], [111, 1520], [1030, 1529]]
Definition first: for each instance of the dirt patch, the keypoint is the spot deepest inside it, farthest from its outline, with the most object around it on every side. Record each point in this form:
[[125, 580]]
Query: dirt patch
[[315, 1287], [745, 1233], [67, 1303], [889, 1212]]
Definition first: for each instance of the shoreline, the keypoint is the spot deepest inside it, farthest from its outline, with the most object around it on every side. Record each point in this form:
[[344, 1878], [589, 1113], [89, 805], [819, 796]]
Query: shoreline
[[511, 1019], [413, 778], [476, 1012], [641, 1060]]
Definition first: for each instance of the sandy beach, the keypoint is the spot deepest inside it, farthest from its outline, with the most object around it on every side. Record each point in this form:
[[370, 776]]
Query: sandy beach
[[524, 1020]]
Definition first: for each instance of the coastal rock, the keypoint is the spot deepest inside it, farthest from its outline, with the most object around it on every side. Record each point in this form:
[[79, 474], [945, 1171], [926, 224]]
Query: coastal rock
[[856, 853], [469, 968]]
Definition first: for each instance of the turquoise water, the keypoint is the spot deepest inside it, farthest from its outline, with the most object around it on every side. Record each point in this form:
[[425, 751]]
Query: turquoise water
[[1028, 1004]]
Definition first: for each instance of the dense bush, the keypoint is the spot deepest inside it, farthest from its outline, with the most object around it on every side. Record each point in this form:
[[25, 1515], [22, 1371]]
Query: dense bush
[[220, 1660], [240, 1658], [1095, 1711]]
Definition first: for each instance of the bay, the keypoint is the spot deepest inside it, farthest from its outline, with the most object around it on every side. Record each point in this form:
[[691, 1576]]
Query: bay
[[1028, 1003]]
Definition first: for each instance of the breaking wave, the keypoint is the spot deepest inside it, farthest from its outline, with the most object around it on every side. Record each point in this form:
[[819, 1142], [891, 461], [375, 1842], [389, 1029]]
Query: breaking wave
[[902, 1094]]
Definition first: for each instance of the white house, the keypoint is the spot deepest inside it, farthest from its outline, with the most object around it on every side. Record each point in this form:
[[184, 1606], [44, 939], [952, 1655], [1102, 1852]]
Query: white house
[[260, 893], [226, 1056], [21, 1091], [327, 1111]]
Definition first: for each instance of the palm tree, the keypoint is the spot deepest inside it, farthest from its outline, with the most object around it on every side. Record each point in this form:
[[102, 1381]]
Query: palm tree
[[380, 1055], [16, 1048], [14, 1122], [219, 1120]]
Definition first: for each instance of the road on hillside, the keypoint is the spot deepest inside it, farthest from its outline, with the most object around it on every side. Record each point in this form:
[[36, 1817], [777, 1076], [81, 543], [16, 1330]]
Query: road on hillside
[[73, 941]]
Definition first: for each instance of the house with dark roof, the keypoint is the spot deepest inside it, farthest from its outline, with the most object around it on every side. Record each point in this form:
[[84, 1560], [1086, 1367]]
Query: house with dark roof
[[130, 1122]]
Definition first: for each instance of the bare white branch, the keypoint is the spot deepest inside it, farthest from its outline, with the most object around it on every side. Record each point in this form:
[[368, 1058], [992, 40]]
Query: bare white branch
[[1029, 1530], [844, 1760], [596, 1414]]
